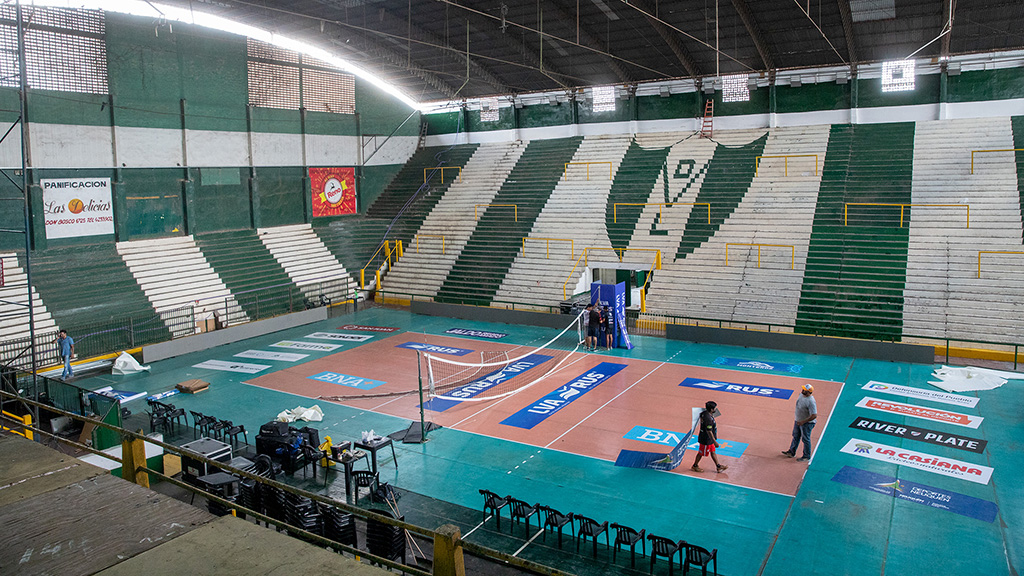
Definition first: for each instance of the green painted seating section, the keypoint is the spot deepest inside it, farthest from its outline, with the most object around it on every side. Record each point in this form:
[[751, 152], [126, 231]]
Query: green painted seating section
[[481, 266], [352, 240], [855, 273], [254, 277], [408, 181], [1017, 124], [728, 177], [634, 179], [77, 283]]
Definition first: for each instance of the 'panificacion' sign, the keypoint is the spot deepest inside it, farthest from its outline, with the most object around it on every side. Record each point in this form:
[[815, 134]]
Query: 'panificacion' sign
[[921, 434], [74, 207]]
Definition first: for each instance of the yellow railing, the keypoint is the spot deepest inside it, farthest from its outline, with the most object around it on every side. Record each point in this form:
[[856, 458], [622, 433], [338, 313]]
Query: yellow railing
[[620, 252], [792, 257], [441, 236], [392, 252], [516, 206], [26, 420], [615, 207], [442, 169], [973, 152], [547, 242], [565, 172], [757, 161], [980, 252], [846, 209]]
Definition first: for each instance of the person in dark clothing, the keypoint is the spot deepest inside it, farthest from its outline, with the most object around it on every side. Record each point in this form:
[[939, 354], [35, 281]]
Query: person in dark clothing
[[707, 437], [594, 328]]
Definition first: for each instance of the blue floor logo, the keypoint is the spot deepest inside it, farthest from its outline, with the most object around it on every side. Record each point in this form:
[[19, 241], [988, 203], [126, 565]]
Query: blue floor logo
[[759, 365], [346, 380], [561, 397], [918, 493], [763, 391], [669, 438], [486, 382], [434, 348]]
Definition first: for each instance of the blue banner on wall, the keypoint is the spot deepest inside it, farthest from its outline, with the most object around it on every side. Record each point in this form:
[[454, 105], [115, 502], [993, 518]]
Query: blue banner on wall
[[435, 349], [562, 396], [920, 493], [763, 391], [759, 365], [486, 382], [476, 333], [670, 438], [346, 380]]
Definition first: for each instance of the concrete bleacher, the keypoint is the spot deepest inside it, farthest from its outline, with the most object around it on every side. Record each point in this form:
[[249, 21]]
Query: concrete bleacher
[[776, 209], [174, 274], [308, 263], [426, 263], [944, 298], [573, 212], [256, 280], [483, 262], [14, 324]]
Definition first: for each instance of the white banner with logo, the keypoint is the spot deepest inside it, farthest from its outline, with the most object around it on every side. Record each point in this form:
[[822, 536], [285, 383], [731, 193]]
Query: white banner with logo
[[928, 462], [264, 355], [340, 337], [933, 414], [75, 207], [296, 345], [922, 393], [232, 366]]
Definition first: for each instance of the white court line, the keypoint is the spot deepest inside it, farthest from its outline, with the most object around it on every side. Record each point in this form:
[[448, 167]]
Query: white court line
[[523, 547], [466, 535], [605, 404]]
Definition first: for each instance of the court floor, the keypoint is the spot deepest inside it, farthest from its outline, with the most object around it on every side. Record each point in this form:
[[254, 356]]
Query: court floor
[[849, 511]]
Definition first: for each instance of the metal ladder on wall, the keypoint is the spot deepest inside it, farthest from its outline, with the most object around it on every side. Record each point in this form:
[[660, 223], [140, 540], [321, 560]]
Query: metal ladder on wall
[[707, 126], [423, 135]]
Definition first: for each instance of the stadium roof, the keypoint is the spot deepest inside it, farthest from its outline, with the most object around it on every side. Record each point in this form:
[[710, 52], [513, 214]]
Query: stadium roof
[[447, 49]]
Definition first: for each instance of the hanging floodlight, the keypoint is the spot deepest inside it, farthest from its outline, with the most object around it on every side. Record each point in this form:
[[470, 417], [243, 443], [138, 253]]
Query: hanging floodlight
[[897, 76]]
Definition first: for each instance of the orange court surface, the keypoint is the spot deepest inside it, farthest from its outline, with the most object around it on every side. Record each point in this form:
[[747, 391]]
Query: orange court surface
[[643, 396]]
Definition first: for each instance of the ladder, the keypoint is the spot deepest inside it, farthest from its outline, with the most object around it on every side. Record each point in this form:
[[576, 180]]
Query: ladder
[[423, 135], [707, 127]]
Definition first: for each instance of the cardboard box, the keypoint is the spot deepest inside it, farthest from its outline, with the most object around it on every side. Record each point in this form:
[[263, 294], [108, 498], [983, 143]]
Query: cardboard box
[[192, 386]]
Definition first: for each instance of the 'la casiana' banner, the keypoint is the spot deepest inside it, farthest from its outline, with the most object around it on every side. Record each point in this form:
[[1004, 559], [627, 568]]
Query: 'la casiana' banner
[[334, 191], [77, 207]]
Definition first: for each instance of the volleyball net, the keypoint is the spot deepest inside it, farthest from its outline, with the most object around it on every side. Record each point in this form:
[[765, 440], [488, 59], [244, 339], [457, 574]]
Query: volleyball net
[[500, 374]]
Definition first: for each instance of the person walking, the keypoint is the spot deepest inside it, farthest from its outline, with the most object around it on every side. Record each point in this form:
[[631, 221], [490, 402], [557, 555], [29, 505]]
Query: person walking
[[66, 347], [707, 437], [804, 420]]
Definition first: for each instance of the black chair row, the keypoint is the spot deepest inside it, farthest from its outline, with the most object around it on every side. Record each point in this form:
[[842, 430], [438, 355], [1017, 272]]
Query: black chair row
[[222, 430], [583, 528], [162, 416]]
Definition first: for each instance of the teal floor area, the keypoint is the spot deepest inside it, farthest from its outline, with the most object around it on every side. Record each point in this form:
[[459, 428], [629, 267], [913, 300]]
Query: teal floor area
[[828, 528]]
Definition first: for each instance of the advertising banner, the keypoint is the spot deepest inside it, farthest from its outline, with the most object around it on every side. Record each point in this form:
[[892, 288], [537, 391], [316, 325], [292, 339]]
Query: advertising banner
[[920, 460], [346, 380], [435, 349], [231, 366], [759, 365], [932, 414], [613, 296], [339, 337], [918, 493], [562, 396], [265, 355], [957, 441], [74, 207], [729, 448], [333, 191], [922, 393], [316, 346], [764, 391], [365, 328], [476, 333]]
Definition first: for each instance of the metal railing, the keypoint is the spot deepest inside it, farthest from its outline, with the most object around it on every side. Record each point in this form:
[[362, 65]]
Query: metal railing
[[980, 252], [792, 256], [547, 245], [973, 152], [515, 212], [441, 236], [392, 251], [757, 161], [903, 206], [615, 207], [442, 169], [565, 171], [620, 254]]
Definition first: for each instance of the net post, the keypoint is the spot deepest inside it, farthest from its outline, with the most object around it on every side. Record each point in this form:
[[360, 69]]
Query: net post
[[419, 375]]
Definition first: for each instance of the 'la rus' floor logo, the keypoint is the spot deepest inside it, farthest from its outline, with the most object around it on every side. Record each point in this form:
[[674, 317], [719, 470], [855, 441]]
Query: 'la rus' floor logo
[[734, 388]]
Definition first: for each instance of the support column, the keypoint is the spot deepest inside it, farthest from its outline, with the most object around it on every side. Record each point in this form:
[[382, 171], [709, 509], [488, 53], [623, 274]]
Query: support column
[[133, 455], [448, 556]]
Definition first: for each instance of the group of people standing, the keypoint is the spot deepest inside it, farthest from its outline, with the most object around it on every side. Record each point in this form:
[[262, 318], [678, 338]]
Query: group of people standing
[[599, 326]]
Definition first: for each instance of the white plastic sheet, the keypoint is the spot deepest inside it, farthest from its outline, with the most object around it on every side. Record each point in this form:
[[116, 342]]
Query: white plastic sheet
[[311, 414], [126, 364], [971, 378]]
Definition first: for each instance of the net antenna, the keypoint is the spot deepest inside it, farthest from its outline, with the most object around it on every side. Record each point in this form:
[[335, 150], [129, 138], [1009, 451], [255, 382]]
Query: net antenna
[[498, 376]]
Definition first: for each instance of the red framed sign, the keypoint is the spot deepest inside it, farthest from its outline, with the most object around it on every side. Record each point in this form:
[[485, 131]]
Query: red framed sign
[[333, 191]]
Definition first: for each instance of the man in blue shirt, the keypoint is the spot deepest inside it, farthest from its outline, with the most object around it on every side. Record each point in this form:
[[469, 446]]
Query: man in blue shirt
[[66, 346]]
